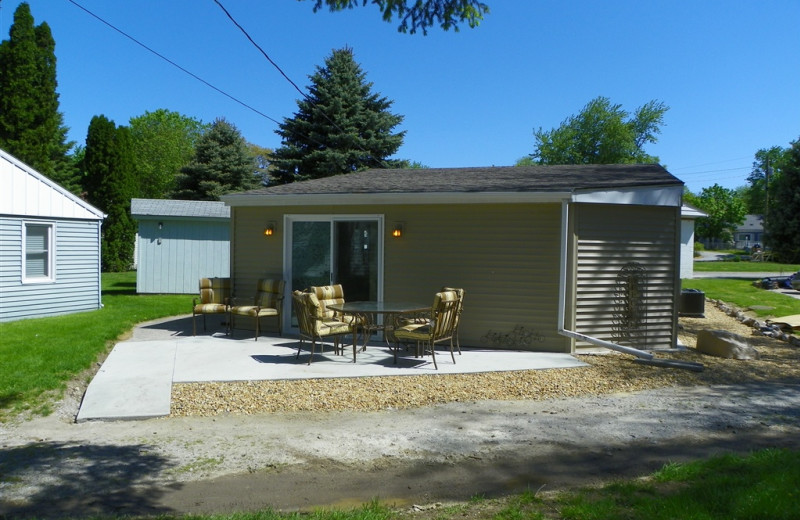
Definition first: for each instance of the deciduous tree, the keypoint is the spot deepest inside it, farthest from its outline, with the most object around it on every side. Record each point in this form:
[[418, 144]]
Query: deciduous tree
[[222, 164], [163, 143], [783, 223], [31, 127], [602, 133], [414, 14], [340, 127], [725, 212]]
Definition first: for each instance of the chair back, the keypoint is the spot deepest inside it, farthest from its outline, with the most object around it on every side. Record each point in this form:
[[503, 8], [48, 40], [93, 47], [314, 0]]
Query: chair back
[[301, 310], [460, 293], [214, 290], [328, 295], [269, 293], [445, 312]]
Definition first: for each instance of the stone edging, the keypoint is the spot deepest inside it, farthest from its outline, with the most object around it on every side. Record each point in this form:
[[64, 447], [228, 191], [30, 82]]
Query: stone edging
[[760, 328]]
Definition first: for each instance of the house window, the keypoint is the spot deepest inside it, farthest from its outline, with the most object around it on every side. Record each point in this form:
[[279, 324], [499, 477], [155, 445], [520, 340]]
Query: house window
[[37, 262]]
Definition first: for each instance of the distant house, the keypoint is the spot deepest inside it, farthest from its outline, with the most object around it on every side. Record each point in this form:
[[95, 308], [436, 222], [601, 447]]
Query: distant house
[[750, 232], [49, 246], [179, 242], [551, 257], [688, 215]]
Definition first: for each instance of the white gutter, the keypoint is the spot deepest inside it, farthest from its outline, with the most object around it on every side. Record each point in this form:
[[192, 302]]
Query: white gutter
[[562, 296], [355, 199]]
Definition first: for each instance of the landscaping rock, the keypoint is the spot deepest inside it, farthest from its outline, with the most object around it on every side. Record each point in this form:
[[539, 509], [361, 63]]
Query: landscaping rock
[[724, 344]]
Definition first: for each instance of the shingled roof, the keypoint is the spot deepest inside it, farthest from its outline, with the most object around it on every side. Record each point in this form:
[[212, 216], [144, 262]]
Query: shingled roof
[[179, 208], [566, 178]]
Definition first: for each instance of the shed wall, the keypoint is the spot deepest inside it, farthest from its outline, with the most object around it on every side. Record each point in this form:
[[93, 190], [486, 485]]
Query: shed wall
[[173, 258], [610, 236], [77, 271], [506, 257]]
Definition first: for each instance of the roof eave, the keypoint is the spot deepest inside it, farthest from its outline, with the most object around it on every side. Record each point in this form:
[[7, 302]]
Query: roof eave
[[353, 199]]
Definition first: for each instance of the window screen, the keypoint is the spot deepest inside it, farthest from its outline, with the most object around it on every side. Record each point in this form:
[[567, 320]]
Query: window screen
[[37, 251]]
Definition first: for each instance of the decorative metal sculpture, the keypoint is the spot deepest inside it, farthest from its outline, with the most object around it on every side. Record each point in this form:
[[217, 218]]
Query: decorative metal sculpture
[[629, 324]]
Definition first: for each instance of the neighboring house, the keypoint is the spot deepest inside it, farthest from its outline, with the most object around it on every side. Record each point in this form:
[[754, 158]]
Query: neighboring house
[[49, 246], [544, 252], [750, 232], [688, 215], [179, 242]]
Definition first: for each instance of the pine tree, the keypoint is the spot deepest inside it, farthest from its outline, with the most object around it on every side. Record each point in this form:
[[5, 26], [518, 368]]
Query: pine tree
[[341, 127], [222, 164], [31, 127], [110, 183]]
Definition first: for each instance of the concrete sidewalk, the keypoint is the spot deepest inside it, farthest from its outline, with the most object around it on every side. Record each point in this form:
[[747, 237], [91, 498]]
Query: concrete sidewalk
[[135, 381]]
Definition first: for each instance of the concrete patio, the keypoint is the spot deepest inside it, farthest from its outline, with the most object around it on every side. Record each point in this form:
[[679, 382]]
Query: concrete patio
[[135, 380]]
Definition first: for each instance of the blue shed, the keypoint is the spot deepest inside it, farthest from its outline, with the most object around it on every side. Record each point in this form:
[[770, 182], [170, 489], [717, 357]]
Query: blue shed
[[179, 242], [49, 246]]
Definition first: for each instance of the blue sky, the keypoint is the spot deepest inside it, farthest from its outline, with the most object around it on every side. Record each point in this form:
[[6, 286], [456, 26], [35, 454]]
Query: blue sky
[[728, 70]]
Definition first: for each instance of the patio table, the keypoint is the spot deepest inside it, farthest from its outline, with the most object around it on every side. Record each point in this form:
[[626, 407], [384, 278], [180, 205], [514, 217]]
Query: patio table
[[368, 312]]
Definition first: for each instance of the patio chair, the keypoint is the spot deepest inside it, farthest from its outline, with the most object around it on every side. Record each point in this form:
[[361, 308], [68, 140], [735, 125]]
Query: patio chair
[[315, 325], [460, 293], [437, 329], [330, 294], [214, 299], [267, 302]]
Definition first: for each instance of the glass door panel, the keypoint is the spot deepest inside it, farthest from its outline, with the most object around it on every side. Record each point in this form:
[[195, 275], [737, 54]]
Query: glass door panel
[[311, 254], [356, 259]]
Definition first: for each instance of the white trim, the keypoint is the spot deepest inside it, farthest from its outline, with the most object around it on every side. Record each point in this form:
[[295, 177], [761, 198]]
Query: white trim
[[50, 277], [646, 196]]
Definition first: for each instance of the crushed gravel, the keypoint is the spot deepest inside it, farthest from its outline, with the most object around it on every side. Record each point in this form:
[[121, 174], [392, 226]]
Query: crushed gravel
[[607, 373]]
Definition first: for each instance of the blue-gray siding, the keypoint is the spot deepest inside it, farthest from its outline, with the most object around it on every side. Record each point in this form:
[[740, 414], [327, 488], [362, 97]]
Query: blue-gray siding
[[172, 259], [77, 271]]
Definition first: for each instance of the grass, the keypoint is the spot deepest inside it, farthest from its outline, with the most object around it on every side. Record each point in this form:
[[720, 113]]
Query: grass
[[41, 355], [746, 267], [744, 295]]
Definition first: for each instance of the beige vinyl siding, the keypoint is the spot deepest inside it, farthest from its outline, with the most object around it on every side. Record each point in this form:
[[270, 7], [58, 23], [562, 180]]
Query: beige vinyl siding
[[506, 257], [610, 236]]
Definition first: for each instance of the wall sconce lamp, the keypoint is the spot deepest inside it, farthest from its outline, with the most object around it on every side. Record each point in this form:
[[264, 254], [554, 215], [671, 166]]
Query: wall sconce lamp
[[269, 230], [160, 225], [397, 232]]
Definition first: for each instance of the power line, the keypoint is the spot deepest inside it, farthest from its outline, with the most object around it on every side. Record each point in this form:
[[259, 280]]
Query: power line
[[195, 76]]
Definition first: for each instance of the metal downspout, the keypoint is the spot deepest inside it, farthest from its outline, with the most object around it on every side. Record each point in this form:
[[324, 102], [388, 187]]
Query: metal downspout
[[562, 296]]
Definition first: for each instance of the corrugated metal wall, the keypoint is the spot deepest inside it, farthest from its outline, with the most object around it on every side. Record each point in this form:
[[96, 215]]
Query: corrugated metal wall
[[610, 236], [506, 257], [172, 259], [77, 277]]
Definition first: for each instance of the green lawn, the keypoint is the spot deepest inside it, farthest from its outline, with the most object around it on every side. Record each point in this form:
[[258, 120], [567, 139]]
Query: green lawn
[[744, 295], [40, 355], [746, 267]]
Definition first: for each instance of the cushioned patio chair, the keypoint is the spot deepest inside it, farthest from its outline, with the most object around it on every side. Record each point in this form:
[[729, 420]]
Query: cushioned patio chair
[[315, 325], [460, 293], [438, 328], [268, 302], [214, 299], [330, 294]]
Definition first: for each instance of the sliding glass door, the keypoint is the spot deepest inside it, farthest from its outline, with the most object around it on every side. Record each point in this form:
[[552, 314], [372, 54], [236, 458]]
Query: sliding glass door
[[347, 250]]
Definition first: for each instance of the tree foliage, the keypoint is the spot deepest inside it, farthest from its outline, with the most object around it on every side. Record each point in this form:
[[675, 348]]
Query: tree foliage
[[222, 164], [417, 15], [164, 142], [341, 127], [31, 127], [602, 133], [759, 184], [725, 212], [783, 220], [110, 183]]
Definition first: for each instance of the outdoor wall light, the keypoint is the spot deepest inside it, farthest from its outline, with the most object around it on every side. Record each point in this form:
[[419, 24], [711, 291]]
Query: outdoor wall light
[[397, 232], [269, 230], [160, 225]]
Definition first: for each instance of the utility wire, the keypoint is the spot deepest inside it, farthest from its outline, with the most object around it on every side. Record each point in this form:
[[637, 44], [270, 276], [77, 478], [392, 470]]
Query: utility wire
[[195, 76]]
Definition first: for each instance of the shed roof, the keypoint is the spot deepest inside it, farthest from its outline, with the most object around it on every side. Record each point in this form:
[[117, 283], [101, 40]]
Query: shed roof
[[560, 178], [179, 208]]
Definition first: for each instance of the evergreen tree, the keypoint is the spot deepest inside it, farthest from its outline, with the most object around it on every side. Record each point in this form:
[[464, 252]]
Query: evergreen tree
[[110, 183], [222, 164], [341, 127], [31, 127], [783, 219]]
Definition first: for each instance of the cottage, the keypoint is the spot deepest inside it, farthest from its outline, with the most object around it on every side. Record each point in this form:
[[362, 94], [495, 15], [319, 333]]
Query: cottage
[[550, 256], [49, 246], [179, 242], [688, 215]]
